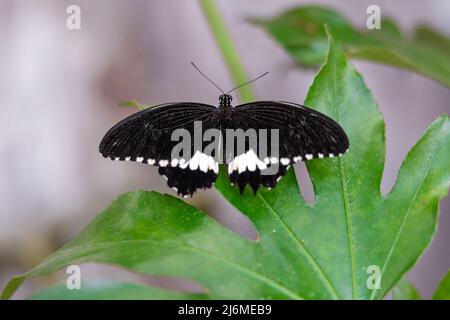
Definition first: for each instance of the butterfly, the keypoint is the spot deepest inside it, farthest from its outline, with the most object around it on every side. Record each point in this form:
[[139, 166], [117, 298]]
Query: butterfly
[[296, 133]]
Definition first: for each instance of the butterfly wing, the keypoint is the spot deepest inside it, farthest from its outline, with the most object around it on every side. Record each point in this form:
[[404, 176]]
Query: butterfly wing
[[303, 134], [146, 136]]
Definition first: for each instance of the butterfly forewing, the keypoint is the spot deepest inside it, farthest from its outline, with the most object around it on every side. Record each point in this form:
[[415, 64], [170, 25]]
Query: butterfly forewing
[[147, 134], [304, 134]]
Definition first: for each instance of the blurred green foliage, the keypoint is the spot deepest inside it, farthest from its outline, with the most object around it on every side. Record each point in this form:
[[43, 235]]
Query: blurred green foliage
[[301, 32]]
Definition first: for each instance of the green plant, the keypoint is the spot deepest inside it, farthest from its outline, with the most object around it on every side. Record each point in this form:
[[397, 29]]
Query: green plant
[[300, 31], [304, 251], [404, 290], [443, 290]]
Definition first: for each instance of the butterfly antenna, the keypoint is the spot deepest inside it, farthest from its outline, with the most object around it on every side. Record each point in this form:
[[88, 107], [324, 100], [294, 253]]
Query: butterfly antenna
[[248, 82], [193, 64]]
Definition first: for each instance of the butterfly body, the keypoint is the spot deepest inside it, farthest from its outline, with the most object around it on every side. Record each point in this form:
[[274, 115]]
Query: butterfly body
[[284, 132]]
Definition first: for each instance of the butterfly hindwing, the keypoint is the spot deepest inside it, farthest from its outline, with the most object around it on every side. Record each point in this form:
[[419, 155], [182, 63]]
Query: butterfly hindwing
[[257, 178], [186, 181]]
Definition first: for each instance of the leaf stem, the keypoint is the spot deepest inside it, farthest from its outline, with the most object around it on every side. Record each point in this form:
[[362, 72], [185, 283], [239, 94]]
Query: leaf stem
[[227, 48]]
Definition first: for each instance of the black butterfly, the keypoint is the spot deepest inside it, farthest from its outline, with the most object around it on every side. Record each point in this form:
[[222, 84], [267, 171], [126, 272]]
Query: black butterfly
[[146, 136]]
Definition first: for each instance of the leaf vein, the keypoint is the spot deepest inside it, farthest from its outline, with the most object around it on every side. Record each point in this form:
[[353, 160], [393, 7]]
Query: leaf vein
[[345, 192], [236, 265], [322, 275]]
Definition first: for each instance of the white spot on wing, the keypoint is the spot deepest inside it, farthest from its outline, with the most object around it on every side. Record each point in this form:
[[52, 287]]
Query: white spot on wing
[[151, 161], [163, 163], [285, 161], [213, 165], [200, 161], [216, 167], [204, 162], [251, 165], [247, 161], [140, 159]]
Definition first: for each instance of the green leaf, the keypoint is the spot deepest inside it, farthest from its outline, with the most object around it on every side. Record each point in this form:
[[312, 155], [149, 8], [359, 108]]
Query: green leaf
[[161, 235], [405, 290], [351, 226], [304, 251], [108, 290], [443, 290], [427, 36], [300, 31], [134, 104]]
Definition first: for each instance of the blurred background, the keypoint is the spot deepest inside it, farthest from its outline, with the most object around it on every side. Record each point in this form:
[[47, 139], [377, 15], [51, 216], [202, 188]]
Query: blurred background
[[59, 91]]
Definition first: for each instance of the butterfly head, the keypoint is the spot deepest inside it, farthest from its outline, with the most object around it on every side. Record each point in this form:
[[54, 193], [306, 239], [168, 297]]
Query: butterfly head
[[225, 100]]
